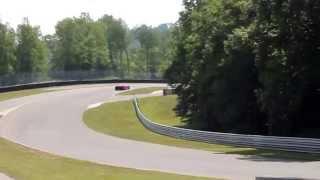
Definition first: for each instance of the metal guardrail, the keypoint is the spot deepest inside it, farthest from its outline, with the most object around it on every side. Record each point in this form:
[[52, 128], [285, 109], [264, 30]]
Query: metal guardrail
[[307, 145]]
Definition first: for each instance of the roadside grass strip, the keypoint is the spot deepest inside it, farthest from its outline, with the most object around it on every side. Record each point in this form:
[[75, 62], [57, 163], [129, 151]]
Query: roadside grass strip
[[119, 119]]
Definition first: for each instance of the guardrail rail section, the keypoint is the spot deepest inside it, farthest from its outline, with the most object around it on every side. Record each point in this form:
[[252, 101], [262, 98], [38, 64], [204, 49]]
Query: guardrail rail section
[[307, 145]]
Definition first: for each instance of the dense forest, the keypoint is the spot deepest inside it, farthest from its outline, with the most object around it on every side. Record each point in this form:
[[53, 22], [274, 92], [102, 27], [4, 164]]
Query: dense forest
[[249, 66], [83, 48]]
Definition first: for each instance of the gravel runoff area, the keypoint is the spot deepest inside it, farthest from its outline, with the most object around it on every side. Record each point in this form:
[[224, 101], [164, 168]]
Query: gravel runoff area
[[52, 122]]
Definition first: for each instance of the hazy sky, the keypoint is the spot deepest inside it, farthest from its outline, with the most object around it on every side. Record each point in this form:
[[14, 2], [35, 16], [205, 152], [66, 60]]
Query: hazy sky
[[47, 13]]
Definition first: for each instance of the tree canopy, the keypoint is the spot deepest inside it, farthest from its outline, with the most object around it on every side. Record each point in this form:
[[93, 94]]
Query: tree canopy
[[80, 45], [31, 51], [248, 66], [82, 48], [7, 50]]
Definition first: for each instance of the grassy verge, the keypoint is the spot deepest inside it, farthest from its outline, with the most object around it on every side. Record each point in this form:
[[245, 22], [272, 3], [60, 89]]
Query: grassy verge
[[118, 119], [22, 163], [161, 110], [141, 91], [16, 94]]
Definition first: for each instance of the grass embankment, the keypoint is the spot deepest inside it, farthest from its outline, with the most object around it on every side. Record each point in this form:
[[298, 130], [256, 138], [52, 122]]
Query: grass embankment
[[161, 109], [141, 91], [119, 119], [16, 94], [23, 163]]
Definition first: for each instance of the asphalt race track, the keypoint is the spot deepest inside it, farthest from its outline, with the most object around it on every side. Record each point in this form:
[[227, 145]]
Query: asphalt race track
[[52, 122]]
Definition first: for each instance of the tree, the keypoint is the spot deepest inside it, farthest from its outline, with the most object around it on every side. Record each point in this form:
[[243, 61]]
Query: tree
[[163, 51], [85, 48], [51, 43], [213, 59], [148, 41], [287, 36], [7, 50], [31, 50], [248, 66], [80, 45], [117, 40]]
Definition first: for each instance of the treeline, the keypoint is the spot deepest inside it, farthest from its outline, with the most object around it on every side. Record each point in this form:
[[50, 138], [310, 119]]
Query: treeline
[[83, 48], [249, 66], [21, 51]]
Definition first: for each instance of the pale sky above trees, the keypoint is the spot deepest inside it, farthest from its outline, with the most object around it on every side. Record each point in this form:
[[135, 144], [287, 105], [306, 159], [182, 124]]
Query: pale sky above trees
[[46, 13]]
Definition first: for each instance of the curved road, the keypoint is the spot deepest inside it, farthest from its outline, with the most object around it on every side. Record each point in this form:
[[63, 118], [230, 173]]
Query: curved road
[[52, 122]]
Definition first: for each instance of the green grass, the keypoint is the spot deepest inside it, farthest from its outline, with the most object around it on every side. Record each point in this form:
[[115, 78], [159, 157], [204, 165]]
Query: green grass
[[26, 164], [16, 94], [23, 163], [161, 110], [119, 119], [141, 91]]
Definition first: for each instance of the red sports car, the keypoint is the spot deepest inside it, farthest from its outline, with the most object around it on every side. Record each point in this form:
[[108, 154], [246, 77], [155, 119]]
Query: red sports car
[[122, 87]]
